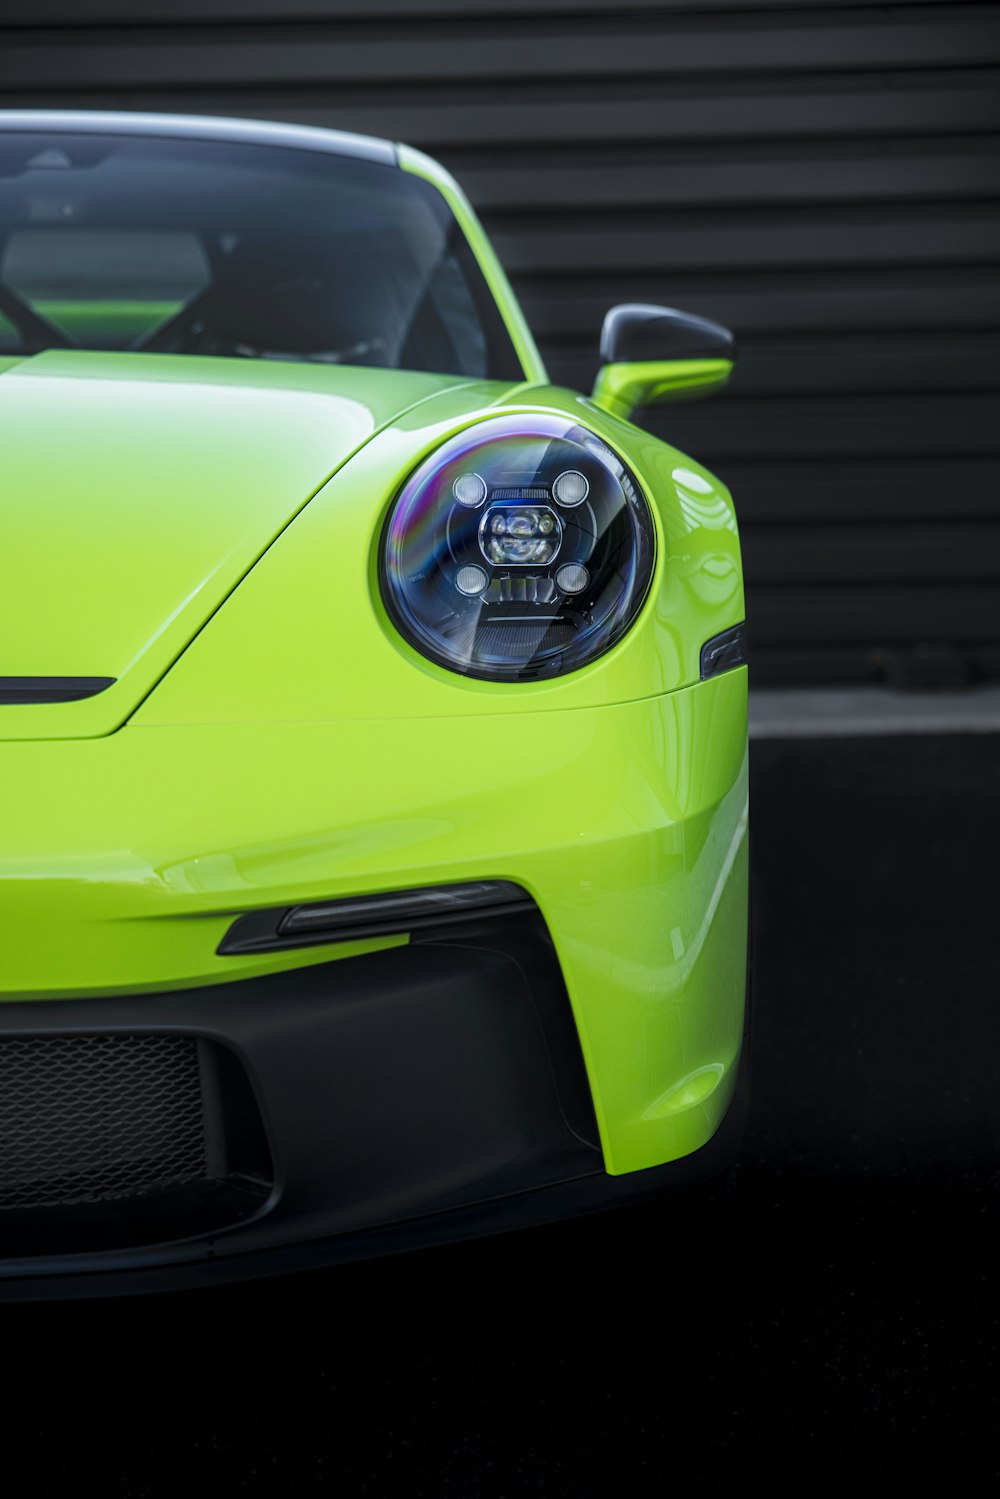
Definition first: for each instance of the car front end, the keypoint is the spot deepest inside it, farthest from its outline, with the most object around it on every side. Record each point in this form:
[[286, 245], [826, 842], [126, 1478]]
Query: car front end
[[374, 808]]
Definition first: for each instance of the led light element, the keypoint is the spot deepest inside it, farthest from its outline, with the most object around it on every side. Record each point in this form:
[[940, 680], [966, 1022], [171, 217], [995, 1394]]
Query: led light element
[[570, 488], [517, 535], [522, 548], [572, 578], [470, 490], [471, 580]]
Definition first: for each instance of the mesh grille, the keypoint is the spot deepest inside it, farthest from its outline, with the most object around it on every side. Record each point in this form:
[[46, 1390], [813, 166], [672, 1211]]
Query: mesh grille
[[514, 640], [97, 1118]]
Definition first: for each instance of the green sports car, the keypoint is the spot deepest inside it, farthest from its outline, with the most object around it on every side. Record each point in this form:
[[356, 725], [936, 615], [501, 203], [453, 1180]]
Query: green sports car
[[373, 838]]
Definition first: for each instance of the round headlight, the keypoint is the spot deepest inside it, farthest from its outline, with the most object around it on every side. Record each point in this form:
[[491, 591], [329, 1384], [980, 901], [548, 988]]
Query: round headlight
[[521, 548]]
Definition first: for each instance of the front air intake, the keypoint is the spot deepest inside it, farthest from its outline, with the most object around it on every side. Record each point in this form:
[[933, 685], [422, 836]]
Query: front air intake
[[127, 1138]]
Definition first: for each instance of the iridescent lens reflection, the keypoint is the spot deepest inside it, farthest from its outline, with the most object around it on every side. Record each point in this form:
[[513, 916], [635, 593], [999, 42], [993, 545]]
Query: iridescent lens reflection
[[522, 548]]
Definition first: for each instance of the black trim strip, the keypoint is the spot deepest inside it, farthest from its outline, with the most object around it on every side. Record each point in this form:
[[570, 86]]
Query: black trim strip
[[381, 915], [724, 652], [51, 689]]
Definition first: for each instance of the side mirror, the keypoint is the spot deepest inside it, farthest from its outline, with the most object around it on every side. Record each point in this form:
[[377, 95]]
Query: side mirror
[[654, 354]]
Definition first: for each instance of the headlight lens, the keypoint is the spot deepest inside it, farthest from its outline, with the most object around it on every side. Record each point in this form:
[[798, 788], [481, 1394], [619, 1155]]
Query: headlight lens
[[521, 548]]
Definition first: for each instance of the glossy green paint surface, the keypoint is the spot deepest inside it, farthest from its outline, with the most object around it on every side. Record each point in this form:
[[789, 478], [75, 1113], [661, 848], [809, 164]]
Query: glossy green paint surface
[[125, 858], [207, 531], [298, 749], [306, 637], [621, 388], [138, 489]]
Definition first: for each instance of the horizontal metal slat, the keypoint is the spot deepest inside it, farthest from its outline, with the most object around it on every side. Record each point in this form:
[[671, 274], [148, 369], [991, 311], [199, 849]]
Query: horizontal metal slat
[[820, 664], [863, 492], [724, 429], [534, 47], [951, 105], [835, 365], [936, 174], [197, 13], [902, 553], [818, 237], [835, 613], [852, 299]]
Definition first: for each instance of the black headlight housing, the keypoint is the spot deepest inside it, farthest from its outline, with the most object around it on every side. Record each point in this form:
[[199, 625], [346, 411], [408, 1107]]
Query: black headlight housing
[[522, 548]]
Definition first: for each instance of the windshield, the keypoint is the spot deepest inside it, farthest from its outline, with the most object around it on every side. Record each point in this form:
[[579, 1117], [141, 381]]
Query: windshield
[[236, 250]]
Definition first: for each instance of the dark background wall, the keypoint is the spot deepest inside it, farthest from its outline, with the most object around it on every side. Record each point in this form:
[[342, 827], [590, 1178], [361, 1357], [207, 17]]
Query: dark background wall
[[822, 177]]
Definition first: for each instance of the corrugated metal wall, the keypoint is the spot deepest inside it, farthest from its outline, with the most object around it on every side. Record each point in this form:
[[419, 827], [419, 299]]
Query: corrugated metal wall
[[823, 177]]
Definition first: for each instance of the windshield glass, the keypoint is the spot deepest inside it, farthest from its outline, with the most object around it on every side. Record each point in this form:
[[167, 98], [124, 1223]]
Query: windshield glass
[[237, 250]]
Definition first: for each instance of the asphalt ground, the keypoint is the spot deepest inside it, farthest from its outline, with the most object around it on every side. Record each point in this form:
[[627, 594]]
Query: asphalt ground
[[823, 1318]]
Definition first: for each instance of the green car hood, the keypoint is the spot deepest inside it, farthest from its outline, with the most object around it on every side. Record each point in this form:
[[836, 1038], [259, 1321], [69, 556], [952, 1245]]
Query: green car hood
[[138, 490]]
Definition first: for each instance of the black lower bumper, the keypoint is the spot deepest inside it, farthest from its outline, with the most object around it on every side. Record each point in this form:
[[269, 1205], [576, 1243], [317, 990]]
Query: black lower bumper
[[427, 1092]]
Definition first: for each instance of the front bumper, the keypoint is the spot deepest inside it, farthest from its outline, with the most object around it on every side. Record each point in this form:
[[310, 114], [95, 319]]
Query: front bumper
[[433, 1091], [398, 1081]]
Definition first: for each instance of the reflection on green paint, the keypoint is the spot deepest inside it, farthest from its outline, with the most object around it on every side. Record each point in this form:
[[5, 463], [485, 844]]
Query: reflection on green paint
[[688, 1093]]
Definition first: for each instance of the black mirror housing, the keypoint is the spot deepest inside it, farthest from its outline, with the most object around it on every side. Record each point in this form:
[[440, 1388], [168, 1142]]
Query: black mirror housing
[[638, 332]]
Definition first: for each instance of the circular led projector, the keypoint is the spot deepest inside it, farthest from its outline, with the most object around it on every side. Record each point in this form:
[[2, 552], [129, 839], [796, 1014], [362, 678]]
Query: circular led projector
[[521, 548]]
